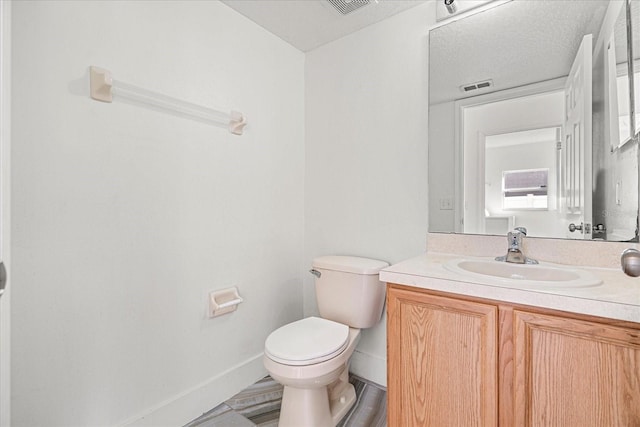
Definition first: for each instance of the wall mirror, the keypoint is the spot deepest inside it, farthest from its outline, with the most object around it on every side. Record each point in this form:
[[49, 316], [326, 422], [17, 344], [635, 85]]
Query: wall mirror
[[531, 121]]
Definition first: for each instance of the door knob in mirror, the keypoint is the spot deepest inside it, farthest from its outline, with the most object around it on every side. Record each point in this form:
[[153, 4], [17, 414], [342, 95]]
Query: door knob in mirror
[[573, 227]]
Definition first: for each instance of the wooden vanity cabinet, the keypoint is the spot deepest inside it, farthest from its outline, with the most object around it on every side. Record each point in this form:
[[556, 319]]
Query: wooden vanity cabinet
[[461, 361], [570, 372], [442, 360]]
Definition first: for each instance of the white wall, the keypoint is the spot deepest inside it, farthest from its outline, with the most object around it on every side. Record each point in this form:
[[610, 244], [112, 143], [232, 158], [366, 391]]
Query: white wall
[[366, 154], [5, 197], [441, 166], [125, 217]]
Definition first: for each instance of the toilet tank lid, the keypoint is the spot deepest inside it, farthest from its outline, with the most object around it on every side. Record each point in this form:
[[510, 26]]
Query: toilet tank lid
[[349, 264]]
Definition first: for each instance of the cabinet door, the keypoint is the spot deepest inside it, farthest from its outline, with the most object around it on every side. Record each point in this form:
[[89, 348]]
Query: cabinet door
[[575, 373], [442, 361]]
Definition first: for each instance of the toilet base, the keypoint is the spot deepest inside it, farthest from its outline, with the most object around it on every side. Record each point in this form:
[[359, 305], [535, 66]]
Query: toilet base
[[317, 407], [341, 405], [318, 395]]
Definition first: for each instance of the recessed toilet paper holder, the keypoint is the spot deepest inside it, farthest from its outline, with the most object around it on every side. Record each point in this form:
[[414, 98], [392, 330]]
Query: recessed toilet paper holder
[[224, 301]]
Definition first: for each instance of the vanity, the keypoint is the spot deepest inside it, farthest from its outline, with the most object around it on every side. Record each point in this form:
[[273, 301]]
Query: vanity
[[473, 349]]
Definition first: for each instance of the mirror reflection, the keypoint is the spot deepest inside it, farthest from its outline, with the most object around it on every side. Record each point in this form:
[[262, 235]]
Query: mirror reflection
[[527, 122], [618, 78], [634, 12]]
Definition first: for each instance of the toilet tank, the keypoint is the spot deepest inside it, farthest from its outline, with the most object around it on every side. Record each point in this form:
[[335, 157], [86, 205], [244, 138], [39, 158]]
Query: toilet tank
[[349, 290]]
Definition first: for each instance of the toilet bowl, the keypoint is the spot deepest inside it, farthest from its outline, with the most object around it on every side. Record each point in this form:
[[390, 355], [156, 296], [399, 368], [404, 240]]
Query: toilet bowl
[[310, 357], [307, 398]]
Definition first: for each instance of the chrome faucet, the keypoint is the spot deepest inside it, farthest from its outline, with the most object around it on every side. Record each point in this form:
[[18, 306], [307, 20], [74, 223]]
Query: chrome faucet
[[514, 251]]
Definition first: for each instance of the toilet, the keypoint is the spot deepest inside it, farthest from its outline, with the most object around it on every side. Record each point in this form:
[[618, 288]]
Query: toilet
[[310, 357]]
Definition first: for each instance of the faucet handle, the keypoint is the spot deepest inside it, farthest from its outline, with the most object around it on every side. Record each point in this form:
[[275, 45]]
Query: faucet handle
[[521, 230]]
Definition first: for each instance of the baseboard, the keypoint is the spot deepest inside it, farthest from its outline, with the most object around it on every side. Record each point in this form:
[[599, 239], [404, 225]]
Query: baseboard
[[190, 404], [370, 367]]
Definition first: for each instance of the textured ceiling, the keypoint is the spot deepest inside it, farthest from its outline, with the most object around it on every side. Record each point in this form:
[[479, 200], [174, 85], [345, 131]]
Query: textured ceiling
[[517, 43], [307, 24], [514, 44]]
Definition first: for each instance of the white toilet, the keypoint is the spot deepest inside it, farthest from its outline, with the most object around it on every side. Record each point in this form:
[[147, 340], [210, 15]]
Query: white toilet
[[310, 357]]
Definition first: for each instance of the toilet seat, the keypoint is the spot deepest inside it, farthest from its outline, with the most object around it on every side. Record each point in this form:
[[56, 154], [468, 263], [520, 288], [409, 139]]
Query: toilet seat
[[307, 341]]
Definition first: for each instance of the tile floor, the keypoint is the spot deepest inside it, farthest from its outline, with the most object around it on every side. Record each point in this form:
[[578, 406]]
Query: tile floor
[[259, 405]]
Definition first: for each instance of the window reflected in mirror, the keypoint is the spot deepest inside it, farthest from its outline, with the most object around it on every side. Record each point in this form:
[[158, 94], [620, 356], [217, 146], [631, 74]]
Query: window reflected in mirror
[[521, 178]]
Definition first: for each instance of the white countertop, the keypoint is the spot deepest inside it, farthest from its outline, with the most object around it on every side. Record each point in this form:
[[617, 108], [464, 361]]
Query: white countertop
[[618, 297]]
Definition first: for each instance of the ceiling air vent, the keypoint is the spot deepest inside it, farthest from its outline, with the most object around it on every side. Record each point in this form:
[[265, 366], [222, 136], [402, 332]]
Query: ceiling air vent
[[475, 86], [347, 6]]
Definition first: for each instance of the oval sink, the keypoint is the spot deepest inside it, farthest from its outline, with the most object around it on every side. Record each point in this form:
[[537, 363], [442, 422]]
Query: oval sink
[[536, 276]]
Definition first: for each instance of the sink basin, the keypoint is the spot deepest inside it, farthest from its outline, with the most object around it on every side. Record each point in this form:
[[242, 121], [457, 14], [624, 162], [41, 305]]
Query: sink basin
[[524, 275]]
